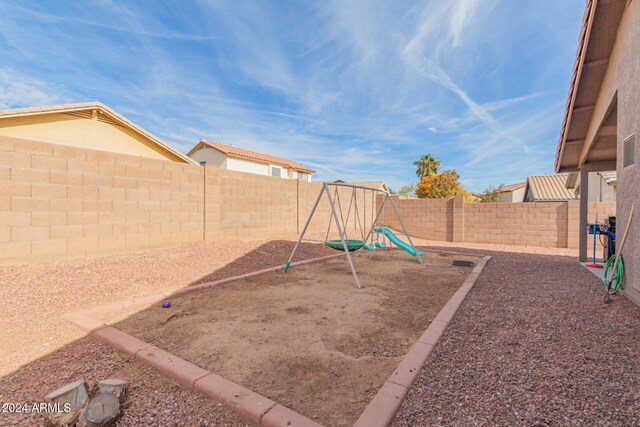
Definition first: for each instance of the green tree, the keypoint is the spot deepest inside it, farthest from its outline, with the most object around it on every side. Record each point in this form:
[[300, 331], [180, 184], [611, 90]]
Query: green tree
[[427, 165], [408, 189], [491, 194]]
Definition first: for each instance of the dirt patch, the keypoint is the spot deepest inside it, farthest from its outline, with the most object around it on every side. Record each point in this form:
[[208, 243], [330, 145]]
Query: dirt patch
[[309, 339]]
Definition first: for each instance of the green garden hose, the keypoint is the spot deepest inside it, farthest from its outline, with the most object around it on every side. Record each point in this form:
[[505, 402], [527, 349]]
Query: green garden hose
[[613, 279]]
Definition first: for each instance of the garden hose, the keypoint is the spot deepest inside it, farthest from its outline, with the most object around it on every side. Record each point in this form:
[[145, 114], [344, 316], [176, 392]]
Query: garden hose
[[613, 279]]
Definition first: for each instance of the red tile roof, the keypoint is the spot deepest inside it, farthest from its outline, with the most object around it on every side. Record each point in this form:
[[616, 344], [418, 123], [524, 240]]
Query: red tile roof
[[512, 187], [243, 153]]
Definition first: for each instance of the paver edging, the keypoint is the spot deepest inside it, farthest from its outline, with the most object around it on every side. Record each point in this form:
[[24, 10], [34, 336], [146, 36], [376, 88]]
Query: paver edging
[[383, 407], [380, 411], [247, 403]]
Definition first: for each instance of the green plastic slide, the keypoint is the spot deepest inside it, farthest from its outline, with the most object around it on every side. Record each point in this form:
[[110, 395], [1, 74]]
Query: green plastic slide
[[396, 241]]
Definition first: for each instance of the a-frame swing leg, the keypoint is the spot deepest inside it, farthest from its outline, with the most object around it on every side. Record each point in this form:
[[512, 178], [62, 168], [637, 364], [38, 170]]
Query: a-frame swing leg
[[344, 242], [375, 220], [405, 230], [306, 225]]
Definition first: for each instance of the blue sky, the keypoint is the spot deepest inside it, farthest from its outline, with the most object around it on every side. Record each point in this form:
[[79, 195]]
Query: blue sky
[[357, 90]]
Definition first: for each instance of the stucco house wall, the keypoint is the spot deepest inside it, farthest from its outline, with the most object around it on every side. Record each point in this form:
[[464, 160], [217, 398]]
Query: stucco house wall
[[303, 176], [600, 190], [514, 196], [83, 132], [213, 157], [622, 78], [245, 166]]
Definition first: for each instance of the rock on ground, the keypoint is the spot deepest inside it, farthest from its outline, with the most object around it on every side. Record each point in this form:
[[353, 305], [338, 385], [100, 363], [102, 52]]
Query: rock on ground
[[70, 400], [532, 344], [102, 411], [114, 386]]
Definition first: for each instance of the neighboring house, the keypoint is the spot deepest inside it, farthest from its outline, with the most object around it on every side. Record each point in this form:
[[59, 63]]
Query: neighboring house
[[602, 185], [89, 125], [601, 125], [378, 185], [512, 193], [239, 159], [548, 188]]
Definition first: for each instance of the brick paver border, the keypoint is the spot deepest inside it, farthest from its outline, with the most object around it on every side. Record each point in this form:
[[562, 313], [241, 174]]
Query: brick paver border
[[384, 405], [253, 406]]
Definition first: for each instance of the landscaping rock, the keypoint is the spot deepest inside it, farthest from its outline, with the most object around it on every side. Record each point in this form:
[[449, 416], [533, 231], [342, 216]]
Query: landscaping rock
[[114, 386], [102, 411], [71, 399]]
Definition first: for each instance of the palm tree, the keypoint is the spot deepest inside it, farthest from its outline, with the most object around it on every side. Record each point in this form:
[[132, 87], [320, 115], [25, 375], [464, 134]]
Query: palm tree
[[427, 165]]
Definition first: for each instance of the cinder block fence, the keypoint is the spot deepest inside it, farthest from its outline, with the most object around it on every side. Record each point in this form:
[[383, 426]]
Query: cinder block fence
[[64, 202], [545, 224]]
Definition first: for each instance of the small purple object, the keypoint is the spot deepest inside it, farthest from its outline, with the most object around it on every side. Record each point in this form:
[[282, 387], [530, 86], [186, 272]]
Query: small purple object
[[166, 304]]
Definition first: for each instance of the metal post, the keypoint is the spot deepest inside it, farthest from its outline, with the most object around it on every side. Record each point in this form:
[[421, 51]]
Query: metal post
[[344, 242], [304, 230], [364, 203], [584, 211], [377, 216], [405, 229]]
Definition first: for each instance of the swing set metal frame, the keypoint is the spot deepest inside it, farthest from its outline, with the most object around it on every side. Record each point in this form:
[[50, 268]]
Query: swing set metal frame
[[342, 225]]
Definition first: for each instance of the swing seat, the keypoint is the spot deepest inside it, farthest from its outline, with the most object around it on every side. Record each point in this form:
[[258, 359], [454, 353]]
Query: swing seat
[[352, 244], [369, 247], [381, 245]]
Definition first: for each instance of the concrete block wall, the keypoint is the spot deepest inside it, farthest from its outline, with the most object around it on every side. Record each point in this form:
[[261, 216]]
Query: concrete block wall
[[58, 201], [431, 219], [242, 206], [545, 224], [61, 202], [528, 224], [599, 211]]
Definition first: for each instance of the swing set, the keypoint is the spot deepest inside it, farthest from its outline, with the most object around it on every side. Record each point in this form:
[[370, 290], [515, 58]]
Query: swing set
[[369, 241]]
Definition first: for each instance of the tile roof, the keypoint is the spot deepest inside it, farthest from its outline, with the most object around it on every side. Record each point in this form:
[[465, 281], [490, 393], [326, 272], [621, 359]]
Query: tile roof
[[550, 188], [68, 108], [600, 24], [233, 151], [512, 187], [575, 76], [610, 177]]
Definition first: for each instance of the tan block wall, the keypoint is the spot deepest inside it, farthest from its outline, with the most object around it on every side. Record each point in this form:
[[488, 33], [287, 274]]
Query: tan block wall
[[554, 224], [242, 206], [527, 224], [58, 201], [426, 218], [599, 211]]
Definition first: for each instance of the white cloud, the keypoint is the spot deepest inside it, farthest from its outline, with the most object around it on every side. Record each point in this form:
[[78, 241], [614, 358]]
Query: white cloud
[[17, 90], [354, 89]]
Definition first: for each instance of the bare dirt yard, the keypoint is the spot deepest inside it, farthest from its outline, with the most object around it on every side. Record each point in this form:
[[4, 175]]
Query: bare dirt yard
[[40, 351], [309, 339]]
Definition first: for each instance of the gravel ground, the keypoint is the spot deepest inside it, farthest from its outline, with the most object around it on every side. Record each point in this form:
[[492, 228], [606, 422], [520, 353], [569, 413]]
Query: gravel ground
[[39, 351], [530, 345], [533, 344]]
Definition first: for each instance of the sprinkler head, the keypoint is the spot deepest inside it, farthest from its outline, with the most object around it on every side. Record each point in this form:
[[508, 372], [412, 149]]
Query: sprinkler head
[[166, 304]]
